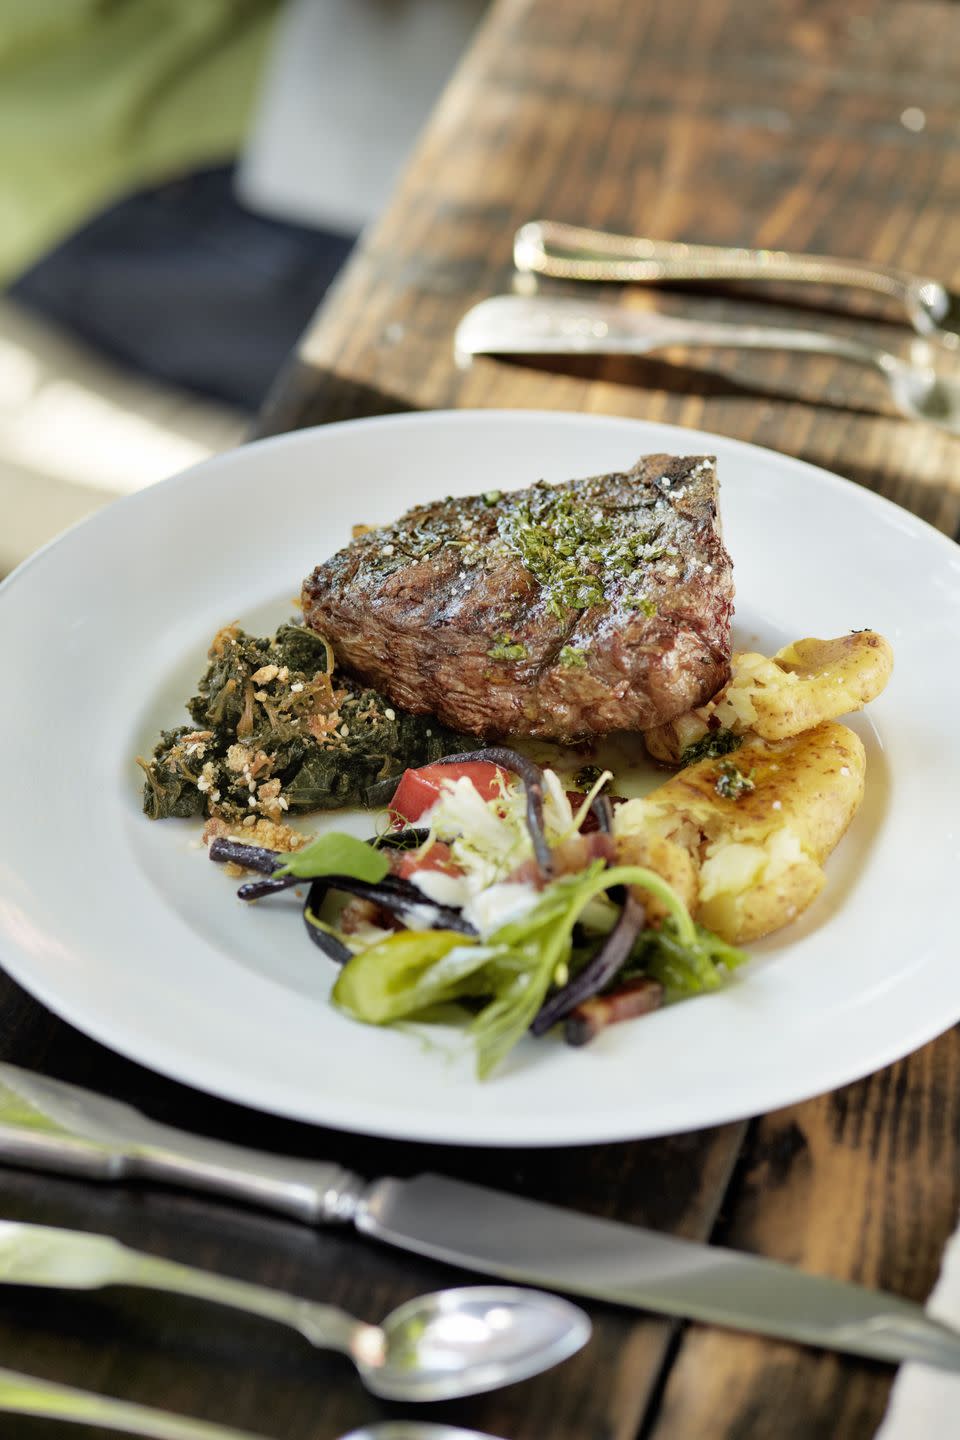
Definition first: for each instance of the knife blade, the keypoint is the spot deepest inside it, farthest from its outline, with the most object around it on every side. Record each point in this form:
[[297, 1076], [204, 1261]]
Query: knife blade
[[48, 1124]]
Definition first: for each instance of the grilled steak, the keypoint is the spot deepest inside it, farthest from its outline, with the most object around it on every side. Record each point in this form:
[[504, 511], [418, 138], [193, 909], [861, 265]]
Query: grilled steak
[[559, 611]]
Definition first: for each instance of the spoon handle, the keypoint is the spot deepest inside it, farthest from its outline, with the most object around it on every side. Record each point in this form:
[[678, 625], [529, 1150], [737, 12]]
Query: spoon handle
[[28, 1395], [68, 1259], [572, 252]]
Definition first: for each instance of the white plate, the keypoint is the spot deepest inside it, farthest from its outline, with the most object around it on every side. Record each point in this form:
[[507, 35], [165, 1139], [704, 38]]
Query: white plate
[[123, 927]]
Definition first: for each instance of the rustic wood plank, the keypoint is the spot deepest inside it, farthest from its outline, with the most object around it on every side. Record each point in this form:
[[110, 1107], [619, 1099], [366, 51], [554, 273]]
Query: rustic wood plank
[[704, 120], [862, 1185], [226, 1367]]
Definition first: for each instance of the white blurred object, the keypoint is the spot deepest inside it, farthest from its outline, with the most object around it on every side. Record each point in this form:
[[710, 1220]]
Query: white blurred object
[[347, 89], [77, 431], [924, 1403]]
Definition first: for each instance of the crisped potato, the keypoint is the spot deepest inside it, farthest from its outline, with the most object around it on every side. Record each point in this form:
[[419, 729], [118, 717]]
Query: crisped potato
[[757, 824], [667, 859], [801, 686], [807, 683]]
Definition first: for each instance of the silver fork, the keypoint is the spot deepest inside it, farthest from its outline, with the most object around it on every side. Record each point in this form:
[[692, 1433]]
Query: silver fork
[[571, 252], [27, 1395], [555, 325]]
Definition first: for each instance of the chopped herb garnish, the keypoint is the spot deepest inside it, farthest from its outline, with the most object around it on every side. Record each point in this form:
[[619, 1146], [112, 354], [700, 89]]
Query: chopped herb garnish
[[712, 745], [641, 602], [506, 648], [571, 658], [577, 550], [492, 497], [587, 776], [731, 782]]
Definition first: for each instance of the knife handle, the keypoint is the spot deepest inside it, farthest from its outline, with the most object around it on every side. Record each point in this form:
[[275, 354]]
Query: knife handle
[[49, 1125]]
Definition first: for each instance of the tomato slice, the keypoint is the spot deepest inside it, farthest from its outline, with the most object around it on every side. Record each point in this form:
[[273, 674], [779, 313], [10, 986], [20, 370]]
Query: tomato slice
[[419, 790], [438, 857]]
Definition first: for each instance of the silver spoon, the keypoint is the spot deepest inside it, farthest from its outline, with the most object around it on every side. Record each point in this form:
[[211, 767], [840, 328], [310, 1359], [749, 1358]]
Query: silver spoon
[[571, 252], [29, 1395], [436, 1347], [414, 1430], [545, 325]]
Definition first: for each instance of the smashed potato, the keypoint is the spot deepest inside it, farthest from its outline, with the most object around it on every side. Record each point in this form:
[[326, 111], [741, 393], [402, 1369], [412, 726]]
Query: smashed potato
[[803, 685], [669, 860], [757, 825]]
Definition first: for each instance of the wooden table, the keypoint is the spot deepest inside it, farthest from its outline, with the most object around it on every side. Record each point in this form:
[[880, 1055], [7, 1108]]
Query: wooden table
[[828, 126]]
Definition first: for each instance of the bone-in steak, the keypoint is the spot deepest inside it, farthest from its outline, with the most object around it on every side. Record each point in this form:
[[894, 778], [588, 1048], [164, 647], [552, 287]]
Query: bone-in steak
[[559, 611]]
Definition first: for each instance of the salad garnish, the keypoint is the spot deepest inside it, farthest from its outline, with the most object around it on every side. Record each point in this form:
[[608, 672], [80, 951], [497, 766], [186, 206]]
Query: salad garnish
[[495, 907]]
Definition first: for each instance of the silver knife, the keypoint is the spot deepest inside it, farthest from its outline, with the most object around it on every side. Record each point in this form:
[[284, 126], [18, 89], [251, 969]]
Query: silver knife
[[49, 1125], [559, 325]]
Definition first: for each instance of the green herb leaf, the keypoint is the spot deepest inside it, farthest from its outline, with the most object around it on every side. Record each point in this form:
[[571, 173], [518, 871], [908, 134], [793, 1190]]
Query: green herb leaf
[[335, 854], [731, 782], [571, 658], [641, 602], [714, 744], [532, 950], [683, 969], [576, 548], [506, 648]]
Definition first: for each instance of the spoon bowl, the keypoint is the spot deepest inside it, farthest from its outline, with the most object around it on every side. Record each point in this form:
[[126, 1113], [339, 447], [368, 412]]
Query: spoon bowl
[[436, 1347], [468, 1340], [414, 1430]]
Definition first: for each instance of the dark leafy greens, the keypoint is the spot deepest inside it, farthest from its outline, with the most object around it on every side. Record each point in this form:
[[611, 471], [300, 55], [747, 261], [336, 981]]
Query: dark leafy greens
[[275, 732]]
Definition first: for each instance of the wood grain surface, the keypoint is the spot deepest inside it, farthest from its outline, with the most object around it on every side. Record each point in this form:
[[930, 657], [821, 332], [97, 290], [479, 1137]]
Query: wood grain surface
[[828, 126], [218, 1365], [772, 125]]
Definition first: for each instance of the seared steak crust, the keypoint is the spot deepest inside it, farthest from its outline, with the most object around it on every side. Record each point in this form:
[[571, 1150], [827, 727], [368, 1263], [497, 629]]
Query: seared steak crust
[[559, 611]]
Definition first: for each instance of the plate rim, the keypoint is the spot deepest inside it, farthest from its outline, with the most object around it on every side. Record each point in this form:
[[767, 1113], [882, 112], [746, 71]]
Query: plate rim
[[598, 1133]]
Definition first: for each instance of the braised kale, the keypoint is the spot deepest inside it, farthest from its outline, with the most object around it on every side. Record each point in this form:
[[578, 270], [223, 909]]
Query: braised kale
[[275, 732]]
